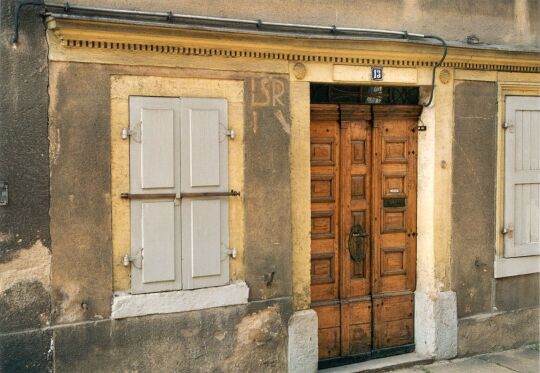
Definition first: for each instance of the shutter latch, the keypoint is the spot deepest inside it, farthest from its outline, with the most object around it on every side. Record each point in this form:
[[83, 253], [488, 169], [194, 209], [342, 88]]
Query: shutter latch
[[232, 252]]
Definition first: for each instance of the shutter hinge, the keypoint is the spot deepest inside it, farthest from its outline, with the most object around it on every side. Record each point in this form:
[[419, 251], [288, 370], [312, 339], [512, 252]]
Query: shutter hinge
[[126, 132], [508, 231], [231, 134], [507, 125], [232, 252], [127, 259], [134, 131]]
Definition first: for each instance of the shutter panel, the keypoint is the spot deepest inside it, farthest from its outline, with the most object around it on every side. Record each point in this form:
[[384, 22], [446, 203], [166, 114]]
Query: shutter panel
[[155, 169], [204, 157], [158, 241], [522, 177]]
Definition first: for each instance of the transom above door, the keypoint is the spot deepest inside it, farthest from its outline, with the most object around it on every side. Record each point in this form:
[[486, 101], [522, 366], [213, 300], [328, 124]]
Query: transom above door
[[363, 214]]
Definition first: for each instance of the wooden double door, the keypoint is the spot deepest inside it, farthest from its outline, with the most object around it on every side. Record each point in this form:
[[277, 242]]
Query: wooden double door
[[363, 228]]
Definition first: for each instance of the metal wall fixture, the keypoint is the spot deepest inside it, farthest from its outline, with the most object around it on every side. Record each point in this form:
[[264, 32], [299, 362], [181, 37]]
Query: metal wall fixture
[[20, 5], [4, 194]]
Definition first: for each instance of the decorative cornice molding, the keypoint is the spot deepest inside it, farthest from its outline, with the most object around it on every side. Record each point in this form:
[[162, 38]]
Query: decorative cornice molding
[[110, 36]]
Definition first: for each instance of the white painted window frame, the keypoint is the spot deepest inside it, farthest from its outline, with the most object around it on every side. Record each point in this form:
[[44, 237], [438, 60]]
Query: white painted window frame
[[515, 266]]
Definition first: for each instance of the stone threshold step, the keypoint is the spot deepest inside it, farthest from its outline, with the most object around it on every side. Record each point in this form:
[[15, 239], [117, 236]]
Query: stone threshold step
[[383, 364]]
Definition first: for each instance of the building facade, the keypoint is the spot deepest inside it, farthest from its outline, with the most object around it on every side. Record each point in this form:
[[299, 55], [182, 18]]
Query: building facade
[[269, 186]]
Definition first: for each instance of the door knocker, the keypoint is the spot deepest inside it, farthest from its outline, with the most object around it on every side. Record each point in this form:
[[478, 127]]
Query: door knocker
[[357, 237]]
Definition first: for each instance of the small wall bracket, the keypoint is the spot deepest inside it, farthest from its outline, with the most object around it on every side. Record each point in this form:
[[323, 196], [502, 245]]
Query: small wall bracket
[[3, 193]]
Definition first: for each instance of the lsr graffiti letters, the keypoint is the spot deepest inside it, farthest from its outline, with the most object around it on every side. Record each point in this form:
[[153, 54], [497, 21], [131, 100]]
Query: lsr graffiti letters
[[269, 94]]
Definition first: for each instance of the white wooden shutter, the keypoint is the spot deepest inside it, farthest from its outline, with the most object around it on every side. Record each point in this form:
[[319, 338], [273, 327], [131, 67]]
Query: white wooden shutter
[[522, 177], [155, 169], [204, 158]]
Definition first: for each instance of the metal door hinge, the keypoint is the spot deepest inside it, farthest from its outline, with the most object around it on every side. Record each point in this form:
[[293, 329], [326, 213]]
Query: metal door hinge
[[232, 252], [507, 125], [507, 231]]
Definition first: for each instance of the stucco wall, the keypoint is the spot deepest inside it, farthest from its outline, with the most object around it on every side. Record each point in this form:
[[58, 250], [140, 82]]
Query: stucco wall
[[505, 22], [80, 210], [481, 297], [24, 222], [81, 227], [80, 185], [80, 219], [236, 339]]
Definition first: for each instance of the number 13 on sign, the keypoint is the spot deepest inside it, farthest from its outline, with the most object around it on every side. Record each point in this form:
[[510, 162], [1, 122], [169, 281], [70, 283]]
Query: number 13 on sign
[[376, 73]]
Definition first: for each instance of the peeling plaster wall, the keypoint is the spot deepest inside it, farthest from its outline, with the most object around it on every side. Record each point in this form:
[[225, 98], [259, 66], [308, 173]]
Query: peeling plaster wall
[[25, 255], [24, 289], [248, 338], [23, 125], [481, 297]]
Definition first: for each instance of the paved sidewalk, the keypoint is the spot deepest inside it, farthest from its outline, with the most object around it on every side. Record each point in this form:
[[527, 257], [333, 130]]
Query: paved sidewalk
[[522, 360]]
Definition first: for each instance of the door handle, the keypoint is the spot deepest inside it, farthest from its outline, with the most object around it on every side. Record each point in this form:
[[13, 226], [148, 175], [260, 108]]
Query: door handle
[[357, 238]]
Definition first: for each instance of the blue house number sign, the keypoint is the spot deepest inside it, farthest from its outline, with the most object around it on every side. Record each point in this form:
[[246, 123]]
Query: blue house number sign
[[376, 73]]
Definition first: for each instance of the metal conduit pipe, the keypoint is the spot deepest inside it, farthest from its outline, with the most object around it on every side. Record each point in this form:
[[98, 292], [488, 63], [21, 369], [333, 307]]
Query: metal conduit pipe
[[21, 5], [227, 25]]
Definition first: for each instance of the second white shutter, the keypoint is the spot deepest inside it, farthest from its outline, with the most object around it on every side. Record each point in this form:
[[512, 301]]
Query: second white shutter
[[522, 177], [204, 166]]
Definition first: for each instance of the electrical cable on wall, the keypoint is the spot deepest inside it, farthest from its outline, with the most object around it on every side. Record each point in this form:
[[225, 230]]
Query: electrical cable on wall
[[445, 52]]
